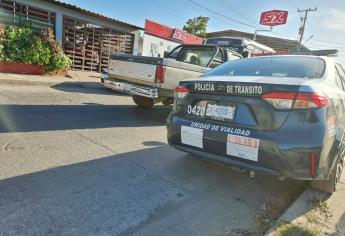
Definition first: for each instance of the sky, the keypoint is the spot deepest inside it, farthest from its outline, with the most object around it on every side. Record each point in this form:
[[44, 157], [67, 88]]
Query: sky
[[325, 28]]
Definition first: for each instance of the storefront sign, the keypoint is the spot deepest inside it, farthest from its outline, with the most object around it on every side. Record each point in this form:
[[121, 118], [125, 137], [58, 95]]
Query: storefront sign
[[273, 18]]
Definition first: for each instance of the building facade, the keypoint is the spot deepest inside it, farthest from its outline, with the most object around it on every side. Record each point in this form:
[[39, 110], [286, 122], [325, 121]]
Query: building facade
[[87, 38]]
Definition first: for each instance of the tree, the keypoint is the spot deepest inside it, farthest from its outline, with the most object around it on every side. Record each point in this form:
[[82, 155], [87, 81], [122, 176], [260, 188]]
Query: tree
[[197, 26]]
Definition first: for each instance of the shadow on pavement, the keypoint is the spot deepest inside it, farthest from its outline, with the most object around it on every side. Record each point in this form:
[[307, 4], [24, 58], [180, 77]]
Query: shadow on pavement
[[155, 191], [340, 227], [85, 88], [28, 118]]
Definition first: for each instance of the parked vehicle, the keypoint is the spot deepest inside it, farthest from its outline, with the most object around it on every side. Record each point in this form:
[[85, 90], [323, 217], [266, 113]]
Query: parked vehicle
[[152, 80], [246, 47], [281, 115]]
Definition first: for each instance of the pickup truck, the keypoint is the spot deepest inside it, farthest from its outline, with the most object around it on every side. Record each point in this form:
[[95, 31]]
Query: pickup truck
[[151, 80]]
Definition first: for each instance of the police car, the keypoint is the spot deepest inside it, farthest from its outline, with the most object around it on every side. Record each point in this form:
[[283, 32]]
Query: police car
[[281, 115]]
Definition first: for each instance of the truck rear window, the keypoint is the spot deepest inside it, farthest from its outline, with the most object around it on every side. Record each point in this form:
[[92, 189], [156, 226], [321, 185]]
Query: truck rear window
[[197, 56], [275, 66]]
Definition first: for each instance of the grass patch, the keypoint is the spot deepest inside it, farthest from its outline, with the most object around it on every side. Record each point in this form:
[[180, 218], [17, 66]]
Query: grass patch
[[295, 230]]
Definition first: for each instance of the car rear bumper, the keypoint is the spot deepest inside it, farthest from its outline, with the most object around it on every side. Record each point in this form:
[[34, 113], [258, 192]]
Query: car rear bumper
[[286, 158]]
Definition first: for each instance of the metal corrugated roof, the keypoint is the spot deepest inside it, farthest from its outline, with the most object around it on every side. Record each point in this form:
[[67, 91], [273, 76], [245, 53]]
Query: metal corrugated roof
[[90, 13], [278, 44]]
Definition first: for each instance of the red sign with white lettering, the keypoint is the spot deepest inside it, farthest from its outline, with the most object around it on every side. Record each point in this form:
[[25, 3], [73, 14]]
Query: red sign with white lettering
[[179, 35], [273, 18], [165, 32]]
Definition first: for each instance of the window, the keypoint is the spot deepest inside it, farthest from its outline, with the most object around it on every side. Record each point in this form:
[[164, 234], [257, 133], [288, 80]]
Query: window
[[217, 60], [226, 42], [198, 56], [232, 56], [275, 66], [340, 71], [338, 80], [174, 54], [339, 76]]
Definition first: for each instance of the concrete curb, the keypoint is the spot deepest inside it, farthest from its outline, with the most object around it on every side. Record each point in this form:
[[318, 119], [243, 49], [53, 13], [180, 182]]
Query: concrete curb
[[299, 208]]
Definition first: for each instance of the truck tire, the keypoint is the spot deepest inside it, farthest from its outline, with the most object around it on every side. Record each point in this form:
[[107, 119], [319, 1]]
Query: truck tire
[[330, 185], [143, 102]]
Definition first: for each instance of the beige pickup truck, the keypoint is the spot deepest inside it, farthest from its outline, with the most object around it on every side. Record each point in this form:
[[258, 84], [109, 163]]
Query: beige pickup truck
[[151, 80]]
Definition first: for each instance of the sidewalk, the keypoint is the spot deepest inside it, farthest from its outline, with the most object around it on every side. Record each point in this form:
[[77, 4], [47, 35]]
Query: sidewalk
[[77, 78], [316, 213]]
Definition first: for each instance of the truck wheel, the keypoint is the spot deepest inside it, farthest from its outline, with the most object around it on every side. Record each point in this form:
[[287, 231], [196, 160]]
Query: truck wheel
[[143, 102], [330, 185]]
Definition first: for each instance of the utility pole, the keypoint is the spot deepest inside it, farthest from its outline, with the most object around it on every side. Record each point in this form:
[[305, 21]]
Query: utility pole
[[304, 20]]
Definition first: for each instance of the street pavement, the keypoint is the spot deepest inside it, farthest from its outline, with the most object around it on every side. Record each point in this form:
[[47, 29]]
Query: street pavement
[[87, 161]]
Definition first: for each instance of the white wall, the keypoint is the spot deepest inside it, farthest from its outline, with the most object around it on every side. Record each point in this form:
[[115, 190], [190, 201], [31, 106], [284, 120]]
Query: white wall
[[152, 46]]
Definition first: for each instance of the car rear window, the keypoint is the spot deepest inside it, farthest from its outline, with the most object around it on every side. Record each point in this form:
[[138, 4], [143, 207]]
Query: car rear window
[[275, 66]]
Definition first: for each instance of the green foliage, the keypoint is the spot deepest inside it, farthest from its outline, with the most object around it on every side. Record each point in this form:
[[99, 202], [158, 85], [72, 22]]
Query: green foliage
[[21, 44], [197, 26]]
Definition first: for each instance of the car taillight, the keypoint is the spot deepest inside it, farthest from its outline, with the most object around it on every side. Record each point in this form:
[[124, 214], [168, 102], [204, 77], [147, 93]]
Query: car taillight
[[160, 73], [288, 100], [181, 92], [310, 100]]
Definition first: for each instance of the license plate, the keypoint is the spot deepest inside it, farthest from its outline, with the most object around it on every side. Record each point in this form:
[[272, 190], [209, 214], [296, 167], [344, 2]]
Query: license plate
[[192, 136], [220, 112], [242, 147]]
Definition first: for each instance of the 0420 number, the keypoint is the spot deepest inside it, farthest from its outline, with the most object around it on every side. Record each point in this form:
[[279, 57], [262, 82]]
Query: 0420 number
[[196, 110]]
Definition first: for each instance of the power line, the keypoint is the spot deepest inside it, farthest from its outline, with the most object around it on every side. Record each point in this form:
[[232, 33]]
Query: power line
[[220, 14], [232, 8], [321, 31]]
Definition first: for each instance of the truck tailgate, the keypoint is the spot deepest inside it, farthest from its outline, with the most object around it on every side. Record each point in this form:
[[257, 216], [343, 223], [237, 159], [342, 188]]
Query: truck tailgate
[[132, 71]]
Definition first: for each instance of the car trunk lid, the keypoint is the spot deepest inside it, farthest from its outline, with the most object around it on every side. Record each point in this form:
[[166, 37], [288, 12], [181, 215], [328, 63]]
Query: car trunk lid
[[258, 103]]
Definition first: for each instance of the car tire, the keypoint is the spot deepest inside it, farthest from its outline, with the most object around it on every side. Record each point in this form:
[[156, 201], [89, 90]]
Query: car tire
[[143, 102], [330, 185]]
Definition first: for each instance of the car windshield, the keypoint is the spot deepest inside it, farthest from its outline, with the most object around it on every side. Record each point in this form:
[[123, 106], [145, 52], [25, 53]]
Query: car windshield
[[276, 66], [198, 56]]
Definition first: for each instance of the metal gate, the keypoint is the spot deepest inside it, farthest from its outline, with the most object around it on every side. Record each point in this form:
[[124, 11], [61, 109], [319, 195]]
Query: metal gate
[[89, 46]]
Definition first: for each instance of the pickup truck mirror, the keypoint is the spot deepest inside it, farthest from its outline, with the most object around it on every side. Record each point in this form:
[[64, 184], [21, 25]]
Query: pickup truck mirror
[[166, 54], [245, 54]]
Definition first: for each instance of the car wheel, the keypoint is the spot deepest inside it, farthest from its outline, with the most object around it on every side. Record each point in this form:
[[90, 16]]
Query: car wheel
[[143, 102], [330, 185]]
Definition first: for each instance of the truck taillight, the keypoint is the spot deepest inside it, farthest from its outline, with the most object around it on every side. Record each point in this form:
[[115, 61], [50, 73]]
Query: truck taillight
[[181, 92], [160, 73], [289, 100]]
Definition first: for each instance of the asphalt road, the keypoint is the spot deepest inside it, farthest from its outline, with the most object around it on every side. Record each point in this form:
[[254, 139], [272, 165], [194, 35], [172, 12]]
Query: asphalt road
[[76, 161]]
